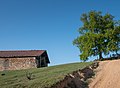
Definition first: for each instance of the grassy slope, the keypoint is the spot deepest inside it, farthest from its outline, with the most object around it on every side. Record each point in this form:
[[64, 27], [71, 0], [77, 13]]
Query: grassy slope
[[44, 77]]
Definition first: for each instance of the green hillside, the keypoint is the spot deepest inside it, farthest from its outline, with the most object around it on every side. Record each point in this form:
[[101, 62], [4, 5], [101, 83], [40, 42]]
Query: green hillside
[[40, 78]]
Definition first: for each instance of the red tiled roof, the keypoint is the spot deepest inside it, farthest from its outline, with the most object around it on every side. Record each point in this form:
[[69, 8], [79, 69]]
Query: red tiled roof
[[21, 53]]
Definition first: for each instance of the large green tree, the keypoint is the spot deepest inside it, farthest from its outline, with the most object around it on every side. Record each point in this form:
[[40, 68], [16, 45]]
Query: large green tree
[[99, 34]]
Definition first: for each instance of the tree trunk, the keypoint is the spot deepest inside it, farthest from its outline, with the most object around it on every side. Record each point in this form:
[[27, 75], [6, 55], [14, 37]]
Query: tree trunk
[[100, 56]]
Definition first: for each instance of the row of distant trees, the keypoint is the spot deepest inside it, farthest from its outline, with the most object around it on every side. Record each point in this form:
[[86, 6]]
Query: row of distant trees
[[99, 34]]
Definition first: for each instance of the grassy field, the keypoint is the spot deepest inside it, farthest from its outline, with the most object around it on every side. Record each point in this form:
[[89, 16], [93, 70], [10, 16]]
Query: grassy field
[[42, 77]]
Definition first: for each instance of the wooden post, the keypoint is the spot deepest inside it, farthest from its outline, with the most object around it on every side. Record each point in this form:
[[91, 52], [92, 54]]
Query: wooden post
[[40, 61]]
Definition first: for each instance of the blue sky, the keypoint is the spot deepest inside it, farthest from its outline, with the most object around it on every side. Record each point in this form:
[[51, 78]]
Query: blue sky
[[50, 25]]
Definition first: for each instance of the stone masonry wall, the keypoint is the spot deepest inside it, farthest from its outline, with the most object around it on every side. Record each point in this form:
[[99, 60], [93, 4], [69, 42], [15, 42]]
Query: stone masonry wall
[[17, 63]]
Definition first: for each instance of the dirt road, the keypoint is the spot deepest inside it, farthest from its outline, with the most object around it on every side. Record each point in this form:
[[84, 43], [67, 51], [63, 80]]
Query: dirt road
[[108, 75]]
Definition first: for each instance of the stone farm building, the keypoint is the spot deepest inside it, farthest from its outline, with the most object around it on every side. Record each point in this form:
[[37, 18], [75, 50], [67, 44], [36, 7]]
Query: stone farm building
[[24, 59]]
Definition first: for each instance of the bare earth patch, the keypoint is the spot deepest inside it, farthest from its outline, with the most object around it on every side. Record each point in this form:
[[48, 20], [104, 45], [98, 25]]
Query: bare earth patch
[[108, 75]]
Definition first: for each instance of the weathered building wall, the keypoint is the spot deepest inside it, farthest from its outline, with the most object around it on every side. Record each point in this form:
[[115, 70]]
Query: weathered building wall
[[17, 63]]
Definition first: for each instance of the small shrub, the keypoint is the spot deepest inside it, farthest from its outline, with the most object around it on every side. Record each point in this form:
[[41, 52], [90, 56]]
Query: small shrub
[[30, 76]]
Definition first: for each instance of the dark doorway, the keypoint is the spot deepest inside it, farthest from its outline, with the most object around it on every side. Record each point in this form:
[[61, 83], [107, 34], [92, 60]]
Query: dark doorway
[[41, 62]]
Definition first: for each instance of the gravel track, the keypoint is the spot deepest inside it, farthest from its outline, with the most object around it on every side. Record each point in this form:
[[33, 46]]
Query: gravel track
[[107, 76]]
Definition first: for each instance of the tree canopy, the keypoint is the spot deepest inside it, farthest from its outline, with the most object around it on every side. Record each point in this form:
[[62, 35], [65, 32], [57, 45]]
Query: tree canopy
[[99, 34]]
